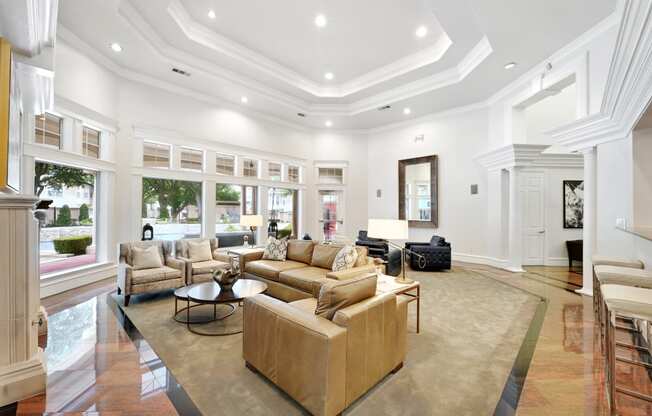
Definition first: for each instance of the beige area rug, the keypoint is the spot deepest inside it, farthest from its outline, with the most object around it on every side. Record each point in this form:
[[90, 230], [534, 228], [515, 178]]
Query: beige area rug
[[471, 330]]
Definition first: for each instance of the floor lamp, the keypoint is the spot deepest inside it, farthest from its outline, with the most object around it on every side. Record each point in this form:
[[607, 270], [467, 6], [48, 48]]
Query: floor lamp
[[251, 221], [394, 230]]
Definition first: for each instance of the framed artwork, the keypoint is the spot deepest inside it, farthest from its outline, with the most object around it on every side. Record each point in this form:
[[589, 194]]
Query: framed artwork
[[10, 114], [573, 204]]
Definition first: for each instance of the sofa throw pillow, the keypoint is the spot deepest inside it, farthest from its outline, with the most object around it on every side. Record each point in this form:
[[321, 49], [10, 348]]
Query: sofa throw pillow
[[345, 258], [276, 249], [146, 258], [199, 251], [338, 294]]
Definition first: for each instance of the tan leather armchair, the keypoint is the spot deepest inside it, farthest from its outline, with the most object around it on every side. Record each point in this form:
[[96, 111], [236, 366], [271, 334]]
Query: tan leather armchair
[[130, 281], [325, 365], [201, 271]]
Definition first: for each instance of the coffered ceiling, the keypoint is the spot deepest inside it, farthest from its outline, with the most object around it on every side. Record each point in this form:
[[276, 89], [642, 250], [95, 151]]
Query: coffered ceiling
[[425, 55]]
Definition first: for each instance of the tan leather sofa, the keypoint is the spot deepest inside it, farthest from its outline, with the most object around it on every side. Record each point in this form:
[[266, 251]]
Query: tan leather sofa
[[201, 271], [130, 281], [301, 275], [323, 364]]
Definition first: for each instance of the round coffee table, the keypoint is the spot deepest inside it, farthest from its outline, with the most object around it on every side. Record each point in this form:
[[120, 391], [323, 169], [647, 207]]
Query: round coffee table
[[210, 293], [181, 294]]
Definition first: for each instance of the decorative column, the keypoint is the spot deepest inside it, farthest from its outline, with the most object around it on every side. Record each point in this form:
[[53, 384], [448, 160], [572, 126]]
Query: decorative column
[[208, 211], [515, 238], [22, 370], [590, 219]]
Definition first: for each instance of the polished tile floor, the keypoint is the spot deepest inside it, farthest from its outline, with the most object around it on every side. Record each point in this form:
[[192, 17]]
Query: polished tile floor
[[96, 367]]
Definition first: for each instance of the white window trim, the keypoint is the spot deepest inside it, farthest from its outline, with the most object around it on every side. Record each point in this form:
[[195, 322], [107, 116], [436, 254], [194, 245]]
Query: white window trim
[[192, 149]]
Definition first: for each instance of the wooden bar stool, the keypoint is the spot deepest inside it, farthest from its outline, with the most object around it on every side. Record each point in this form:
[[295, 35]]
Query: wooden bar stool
[[600, 260], [612, 275], [626, 302]]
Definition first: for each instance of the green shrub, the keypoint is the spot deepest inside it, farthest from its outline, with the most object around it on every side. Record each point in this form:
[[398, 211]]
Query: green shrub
[[63, 218], [286, 232], [83, 213], [87, 221], [74, 245]]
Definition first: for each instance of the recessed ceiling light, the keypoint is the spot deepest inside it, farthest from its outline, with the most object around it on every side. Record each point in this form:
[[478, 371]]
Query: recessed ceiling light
[[421, 31], [328, 123], [211, 14], [320, 20], [510, 65], [329, 76], [116, 47], [244, 99], [407, 111]]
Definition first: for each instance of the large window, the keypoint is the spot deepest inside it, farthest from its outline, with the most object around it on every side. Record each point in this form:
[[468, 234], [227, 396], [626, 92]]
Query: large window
[[231, 201], [282, 204], [191, 159], [91, 142], [274, 171], [172, 207], [68, 232], [225, 165], [250, 168], [48, 130], [156, 155]]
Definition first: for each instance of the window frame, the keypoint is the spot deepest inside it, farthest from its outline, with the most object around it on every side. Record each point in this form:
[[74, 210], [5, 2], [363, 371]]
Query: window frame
[[196, 152], [159, 145], [224, 156], [331, 179], [43, 130], [298, 176], [276, 177], [255, 167], [86, 145]]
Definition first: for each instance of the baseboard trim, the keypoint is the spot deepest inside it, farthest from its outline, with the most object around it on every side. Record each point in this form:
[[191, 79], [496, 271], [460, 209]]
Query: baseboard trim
[[584, 292], [77, 278], [22, 380], [485, 260]]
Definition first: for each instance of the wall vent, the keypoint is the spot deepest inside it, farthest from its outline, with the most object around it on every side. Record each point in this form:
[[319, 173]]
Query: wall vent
[[181, 72], [301, 114], [385, 107]]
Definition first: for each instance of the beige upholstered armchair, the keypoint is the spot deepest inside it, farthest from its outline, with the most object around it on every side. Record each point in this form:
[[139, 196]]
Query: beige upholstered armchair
[[201, 269], [325, 364], [168, 273]]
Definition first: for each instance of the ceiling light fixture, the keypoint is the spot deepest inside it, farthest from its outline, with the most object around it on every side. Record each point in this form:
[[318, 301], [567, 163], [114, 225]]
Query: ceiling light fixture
[[116, 47], [328, 123], [329, 76], [320, 20], [211, 14], [407, 111], [421, 31], [510, 65], [244, 99]]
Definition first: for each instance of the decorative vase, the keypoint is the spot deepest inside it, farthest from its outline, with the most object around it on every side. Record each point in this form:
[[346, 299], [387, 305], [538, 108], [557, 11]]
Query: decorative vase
[[226, 278]]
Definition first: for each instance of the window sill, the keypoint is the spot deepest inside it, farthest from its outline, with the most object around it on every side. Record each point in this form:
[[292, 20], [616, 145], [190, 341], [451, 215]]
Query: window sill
[[58, 282]]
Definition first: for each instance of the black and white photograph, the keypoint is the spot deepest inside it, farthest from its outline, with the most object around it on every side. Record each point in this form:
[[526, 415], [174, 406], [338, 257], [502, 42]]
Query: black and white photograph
[[573, 204]]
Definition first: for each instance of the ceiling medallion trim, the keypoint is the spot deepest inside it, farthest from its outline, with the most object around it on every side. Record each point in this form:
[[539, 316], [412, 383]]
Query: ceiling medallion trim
[[206, 37]]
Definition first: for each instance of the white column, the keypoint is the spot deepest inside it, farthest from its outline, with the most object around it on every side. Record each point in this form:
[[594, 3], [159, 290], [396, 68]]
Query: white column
[[515, 238], [22, 370], [208, 209], [590, 219]]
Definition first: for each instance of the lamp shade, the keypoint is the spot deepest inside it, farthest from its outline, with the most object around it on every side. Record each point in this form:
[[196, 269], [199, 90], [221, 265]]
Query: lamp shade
[[251, 220], [388, 229]]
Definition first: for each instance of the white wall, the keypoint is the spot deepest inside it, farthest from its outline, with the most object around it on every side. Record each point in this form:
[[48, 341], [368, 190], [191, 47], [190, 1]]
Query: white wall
[[642, 176], [455, 139], [552, 112]]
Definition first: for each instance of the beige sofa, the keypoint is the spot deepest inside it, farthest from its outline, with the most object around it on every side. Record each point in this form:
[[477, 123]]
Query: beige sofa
[[201, 271], [323, 364], [301, 275], [130, 281]]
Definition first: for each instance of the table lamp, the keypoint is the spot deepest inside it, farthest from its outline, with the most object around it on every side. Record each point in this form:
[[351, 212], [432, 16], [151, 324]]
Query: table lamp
[[251, 221], [388, 230]]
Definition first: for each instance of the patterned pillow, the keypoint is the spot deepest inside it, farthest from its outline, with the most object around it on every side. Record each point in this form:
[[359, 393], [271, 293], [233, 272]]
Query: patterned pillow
[[345, 258], [276, 249]]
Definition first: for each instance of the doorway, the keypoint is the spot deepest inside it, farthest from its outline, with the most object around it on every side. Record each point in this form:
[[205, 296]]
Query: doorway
[[534, 219]]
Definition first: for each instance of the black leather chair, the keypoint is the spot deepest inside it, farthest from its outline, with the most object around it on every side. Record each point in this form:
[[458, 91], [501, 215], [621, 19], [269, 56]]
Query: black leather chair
[[234, 239], [380, 249], [437, 254]]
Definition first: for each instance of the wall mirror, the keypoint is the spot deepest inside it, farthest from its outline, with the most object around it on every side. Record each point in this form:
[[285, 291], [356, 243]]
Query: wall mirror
[[417, 190]]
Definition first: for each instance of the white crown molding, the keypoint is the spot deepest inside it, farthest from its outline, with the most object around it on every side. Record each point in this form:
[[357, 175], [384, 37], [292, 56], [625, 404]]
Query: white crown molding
[[206, 37], [527, 155], [629, 85], [72, 109]]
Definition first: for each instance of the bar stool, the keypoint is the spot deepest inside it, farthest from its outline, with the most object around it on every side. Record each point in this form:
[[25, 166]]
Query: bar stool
[[627, 302], [600, 260], [612, 275]]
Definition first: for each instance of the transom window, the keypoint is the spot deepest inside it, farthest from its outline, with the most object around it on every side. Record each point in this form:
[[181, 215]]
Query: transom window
[[293, 174], [249, 168], [191, 159], [156, 155], [48, 130], [225, 165], [331, 175], [274, 171], [91, 142]]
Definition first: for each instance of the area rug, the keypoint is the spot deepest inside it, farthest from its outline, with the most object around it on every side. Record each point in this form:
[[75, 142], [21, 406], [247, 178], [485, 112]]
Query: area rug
[[471, 330]]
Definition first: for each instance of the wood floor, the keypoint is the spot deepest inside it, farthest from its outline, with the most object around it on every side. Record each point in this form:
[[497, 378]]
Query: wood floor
[[108, 373]]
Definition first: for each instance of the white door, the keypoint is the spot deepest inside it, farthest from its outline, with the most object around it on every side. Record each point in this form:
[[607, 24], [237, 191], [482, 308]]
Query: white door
[[534, 227], [331, 213]]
